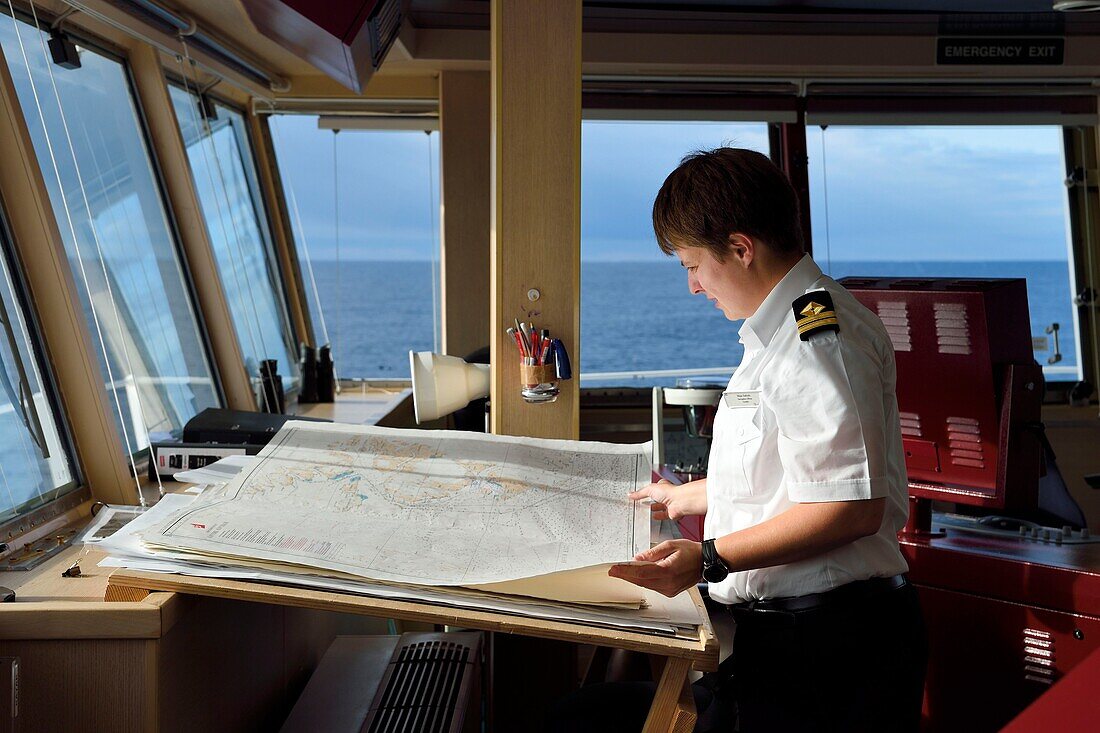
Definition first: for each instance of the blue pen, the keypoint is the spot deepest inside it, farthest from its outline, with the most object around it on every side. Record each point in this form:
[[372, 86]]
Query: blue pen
[[561, 360]]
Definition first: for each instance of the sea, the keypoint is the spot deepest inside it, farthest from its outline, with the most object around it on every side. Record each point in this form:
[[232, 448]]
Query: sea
[[635, 316]]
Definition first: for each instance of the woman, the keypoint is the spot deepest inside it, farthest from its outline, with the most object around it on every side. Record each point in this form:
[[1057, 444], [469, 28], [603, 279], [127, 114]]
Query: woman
[[806, 487]]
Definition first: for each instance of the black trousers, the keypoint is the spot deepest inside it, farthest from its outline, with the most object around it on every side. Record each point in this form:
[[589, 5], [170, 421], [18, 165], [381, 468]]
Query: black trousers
[[851, 667]]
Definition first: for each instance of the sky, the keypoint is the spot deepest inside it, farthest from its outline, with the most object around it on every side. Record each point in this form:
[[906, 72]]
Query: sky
[[877, 193]]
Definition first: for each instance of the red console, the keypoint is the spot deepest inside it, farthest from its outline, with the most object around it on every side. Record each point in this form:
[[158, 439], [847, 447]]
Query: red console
[[1009, 611], [969, 390]]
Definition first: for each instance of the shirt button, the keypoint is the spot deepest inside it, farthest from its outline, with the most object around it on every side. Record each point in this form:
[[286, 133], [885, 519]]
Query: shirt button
[[740, 431]]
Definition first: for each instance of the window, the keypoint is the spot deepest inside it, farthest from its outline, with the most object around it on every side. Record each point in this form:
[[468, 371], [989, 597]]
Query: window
[[34, 460], [637, 316], [943, 201], [364, 206], [87, 134], [225, 178]]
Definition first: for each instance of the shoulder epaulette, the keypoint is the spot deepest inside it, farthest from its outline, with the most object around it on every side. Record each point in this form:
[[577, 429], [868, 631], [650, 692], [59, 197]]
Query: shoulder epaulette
[[813, 313]]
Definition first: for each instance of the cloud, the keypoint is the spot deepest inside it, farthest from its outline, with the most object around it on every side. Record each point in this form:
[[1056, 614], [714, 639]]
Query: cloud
[[388, 189], [939, 193], [623, 165], [934, 193]]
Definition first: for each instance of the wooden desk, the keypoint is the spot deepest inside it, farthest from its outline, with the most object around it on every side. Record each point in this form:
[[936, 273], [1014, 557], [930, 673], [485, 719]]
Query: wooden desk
[[163, 662], [140, 665], [672, 708], [360, 406]]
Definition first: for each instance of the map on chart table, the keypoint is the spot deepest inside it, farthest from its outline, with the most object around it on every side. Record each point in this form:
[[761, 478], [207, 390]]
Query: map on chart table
[[426, 507]]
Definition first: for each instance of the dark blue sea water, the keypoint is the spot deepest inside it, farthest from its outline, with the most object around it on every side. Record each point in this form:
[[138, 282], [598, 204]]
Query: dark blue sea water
[[635, 316]]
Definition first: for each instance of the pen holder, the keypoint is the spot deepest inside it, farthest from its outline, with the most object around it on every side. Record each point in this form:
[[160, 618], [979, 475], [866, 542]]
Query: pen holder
[[539, 383]]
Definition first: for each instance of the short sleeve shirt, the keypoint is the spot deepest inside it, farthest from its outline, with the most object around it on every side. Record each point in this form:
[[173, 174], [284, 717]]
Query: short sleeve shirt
[[804, 421]]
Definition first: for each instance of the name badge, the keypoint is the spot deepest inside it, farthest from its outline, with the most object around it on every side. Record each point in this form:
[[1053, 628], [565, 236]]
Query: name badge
[[750, 398]]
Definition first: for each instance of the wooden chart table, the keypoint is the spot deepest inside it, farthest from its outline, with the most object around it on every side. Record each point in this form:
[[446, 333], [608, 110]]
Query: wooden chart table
[[673, 709]]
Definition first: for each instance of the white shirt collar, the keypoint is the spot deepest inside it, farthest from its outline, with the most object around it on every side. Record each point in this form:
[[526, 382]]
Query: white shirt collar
[[759, 328]]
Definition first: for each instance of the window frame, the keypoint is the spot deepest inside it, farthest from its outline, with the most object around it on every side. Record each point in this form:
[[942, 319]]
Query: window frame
[[627, 108], [932, 116], [259, 200], [1080, 244], [120, 55], [76, 491], [174, 230], [275, 196], [295, 256], [777, 108]]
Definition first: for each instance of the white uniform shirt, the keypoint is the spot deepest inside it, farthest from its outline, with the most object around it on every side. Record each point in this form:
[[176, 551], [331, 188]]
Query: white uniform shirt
[[817, 421]]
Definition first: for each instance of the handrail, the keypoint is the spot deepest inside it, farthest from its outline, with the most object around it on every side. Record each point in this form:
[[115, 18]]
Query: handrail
[[715, 371]]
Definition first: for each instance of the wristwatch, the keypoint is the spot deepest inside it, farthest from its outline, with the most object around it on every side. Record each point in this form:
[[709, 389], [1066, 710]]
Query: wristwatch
[[714, 568]]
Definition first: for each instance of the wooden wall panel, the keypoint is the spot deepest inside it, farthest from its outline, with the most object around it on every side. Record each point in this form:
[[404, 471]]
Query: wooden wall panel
[[464, 168], [536, 129]]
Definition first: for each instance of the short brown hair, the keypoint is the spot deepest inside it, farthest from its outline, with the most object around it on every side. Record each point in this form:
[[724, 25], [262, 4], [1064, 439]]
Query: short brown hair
[[716, 193]]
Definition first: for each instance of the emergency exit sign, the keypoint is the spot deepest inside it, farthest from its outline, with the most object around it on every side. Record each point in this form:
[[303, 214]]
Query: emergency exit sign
[[1000, 51]]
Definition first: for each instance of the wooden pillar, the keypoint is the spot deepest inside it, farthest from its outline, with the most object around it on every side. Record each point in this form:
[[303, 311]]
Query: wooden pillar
[[464, 123], [68, 342], [179, 185], [536, 135]]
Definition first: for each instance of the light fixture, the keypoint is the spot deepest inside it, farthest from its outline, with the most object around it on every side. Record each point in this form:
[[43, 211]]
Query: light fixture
[[63, 51], [442, 384], [1078, 6]]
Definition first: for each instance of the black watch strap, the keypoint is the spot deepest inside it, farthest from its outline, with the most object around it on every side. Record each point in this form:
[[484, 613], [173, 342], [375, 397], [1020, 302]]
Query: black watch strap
[[715, 569]]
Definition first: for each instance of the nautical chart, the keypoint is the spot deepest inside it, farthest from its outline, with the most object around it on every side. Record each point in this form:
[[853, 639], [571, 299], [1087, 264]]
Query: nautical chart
[[425, 507]]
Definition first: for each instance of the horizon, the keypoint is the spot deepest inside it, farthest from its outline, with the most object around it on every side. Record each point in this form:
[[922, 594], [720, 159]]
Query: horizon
[[670, 260]]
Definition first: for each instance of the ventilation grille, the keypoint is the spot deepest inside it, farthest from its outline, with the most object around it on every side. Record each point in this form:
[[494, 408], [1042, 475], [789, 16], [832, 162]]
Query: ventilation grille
[[423, 689], [910, 424], [1039, 658], [383, 28], [964, 442], [895, 316], [952, 329]]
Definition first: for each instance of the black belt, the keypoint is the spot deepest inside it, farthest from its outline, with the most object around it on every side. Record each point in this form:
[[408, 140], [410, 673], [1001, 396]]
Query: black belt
[[855, 591]]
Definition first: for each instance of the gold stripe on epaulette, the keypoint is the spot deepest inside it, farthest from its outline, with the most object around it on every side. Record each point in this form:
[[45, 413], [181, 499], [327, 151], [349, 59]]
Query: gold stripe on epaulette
[[811, 326], [823, 316]]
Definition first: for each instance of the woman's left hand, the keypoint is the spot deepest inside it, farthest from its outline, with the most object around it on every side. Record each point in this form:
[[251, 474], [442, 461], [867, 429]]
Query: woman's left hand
[[672, 567]]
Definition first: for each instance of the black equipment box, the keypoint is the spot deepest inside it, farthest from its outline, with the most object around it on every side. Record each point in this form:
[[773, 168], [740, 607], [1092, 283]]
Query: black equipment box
[[236, 427]]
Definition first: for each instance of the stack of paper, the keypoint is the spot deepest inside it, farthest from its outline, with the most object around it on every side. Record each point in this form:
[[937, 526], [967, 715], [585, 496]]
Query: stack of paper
[[509, 524]]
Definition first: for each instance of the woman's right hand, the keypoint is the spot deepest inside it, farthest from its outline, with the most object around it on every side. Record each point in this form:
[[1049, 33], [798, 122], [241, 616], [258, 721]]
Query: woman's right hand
[[671, 501]]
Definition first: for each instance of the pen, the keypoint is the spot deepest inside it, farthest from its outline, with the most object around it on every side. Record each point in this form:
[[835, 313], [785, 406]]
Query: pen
[[524, 338], [519, 342], [538, 349], [543, 341], [520, 338]]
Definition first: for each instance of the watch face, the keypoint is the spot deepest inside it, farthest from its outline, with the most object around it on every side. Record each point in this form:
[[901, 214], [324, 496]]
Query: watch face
[[715, 573]]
